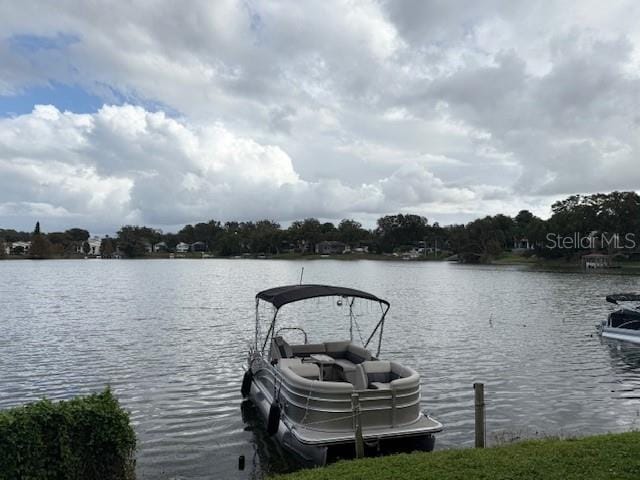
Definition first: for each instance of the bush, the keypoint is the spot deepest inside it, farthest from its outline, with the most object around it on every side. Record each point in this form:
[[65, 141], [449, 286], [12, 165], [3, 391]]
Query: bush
[[84, 438]]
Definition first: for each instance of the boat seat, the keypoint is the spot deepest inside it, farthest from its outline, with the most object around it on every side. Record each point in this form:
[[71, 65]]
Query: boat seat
[[381, 373], [346, 365], [359, 378], [280, 348], [288, 362], [348, 369], [307, 349], [310, 371], [380, 385], [348, 351]]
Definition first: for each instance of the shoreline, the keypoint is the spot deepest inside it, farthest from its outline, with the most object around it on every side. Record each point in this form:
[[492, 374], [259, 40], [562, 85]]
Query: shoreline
[[594, 457], [507, 260]]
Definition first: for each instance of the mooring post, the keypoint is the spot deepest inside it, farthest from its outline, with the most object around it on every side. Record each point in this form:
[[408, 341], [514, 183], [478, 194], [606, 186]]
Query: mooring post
[[357, 425], [480, 420]]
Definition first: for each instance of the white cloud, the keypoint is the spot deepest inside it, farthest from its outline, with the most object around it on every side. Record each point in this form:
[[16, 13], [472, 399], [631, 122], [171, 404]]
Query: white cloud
[[125, 164], [285, 109]]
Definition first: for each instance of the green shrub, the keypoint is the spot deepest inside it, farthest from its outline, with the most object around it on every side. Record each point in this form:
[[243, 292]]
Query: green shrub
[[84, 438]]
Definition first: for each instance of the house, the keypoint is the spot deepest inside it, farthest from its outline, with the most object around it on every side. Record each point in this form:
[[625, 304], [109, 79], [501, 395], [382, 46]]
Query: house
[[597, 260], [521, 244], [160, 247], [182, 247], [19, 248], [330, 248], [286, 247], [95, 243], [198, 247]]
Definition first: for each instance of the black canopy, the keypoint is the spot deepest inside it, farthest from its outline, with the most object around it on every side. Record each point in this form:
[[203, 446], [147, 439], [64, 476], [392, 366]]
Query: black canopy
[[280, 296], [623, 297]]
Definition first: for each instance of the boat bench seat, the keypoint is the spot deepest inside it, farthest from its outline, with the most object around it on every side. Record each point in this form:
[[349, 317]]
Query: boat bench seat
[[307, 349], [309, 371], [380, 385], [380, 375], [346, 350]]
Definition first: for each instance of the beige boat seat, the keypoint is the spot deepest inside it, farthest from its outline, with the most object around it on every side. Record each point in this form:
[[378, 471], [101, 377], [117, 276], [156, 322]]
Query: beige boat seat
[[307, 349], [310, 371], [345, 350], [380, 374]]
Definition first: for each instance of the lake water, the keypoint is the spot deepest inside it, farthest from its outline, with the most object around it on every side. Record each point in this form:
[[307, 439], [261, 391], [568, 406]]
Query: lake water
[[170, 337]]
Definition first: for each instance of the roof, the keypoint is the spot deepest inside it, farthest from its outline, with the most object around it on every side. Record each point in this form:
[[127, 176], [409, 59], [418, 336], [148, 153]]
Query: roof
[[623, 297], [280, 296]]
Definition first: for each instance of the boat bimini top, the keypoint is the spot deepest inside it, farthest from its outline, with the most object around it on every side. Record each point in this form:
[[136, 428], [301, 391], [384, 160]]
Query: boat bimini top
[[280, 296]]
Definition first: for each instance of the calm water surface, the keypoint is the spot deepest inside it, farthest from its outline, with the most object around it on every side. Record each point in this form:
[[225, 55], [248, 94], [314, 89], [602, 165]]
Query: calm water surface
[[170, 337]]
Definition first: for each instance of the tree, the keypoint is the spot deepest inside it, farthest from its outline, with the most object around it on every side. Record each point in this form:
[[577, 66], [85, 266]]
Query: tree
[[40, 247], [306, 233], [396, 230], [266, 237], [86, 248], [2, 249], [135, 241], [351, 232], [328, 231], [106, 247], [77, 234]]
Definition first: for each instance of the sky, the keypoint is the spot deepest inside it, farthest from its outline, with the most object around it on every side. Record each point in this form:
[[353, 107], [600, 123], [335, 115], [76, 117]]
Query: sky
[[166, 113]]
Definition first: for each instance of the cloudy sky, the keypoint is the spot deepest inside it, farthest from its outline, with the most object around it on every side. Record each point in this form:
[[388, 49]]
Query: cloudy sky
[[165, 113]]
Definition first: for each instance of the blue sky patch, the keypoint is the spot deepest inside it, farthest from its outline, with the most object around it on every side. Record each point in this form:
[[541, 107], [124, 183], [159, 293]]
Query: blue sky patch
[[63, 97], [35, 43]]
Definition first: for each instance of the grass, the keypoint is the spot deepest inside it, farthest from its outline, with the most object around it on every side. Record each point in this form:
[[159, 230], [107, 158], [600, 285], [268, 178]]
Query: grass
[[598, 457]]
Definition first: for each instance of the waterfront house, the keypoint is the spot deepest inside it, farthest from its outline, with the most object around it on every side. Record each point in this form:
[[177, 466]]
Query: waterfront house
[[330, 248], [597, 260], [95, 243], [182, 247], [198, 247], [19, 248], [521, 244], [160, 247]]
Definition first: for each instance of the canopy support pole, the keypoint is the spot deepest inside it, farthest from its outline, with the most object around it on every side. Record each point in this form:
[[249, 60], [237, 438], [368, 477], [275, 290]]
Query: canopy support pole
[[381, 326], [270, 331]]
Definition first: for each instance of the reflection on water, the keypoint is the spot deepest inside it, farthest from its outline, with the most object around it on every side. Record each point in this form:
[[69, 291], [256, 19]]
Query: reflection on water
[[266, 456], [171, 336]]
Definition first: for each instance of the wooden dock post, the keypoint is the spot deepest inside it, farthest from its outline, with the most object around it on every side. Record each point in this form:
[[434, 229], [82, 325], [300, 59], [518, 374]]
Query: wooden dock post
[[357, 425], [480, 419]]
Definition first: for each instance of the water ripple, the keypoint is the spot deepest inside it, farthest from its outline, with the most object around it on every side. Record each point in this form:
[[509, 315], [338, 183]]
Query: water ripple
[[170, 338]]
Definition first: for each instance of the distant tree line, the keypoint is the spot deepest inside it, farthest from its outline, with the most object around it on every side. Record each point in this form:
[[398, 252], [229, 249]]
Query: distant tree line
[[476, 241]]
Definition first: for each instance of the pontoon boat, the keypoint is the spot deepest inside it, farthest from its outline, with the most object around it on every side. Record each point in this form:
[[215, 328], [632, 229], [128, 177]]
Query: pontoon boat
[[624, 323], [316, 396]]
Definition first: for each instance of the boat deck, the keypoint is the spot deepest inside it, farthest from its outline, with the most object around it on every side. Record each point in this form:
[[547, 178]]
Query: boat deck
[[425, 425]]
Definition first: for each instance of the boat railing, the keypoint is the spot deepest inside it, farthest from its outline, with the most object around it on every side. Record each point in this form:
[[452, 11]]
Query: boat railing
[[312, 401], [630, 322]]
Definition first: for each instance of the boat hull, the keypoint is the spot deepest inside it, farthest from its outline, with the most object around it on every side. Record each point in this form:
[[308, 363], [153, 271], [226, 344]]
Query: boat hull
[[624, 334], [317, 447]]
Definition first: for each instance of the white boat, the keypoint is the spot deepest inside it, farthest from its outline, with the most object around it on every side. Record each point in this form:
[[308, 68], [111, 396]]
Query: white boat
[[316, 397], [623, 323]]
